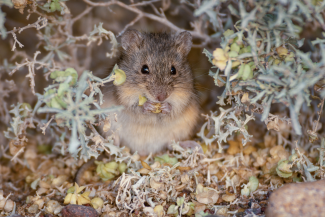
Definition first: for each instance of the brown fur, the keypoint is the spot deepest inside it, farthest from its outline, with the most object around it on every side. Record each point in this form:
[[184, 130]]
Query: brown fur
[[151, 132]]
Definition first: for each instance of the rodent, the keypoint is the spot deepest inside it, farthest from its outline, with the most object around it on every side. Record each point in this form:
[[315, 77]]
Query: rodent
[[156, 66]]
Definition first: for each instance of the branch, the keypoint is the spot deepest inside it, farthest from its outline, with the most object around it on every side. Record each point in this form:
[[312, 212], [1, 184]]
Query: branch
[[31, 69], [39, 24], [161, 19]]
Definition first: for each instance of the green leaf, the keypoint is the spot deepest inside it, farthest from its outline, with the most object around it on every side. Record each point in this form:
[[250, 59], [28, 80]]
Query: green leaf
[[62, 88]]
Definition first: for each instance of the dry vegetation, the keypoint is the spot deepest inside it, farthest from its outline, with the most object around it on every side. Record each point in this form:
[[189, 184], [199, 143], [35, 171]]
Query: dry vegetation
[[262, 127]]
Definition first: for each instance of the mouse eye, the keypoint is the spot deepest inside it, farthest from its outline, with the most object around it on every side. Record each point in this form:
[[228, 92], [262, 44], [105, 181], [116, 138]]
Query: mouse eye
[[173, 71], [145, 69]]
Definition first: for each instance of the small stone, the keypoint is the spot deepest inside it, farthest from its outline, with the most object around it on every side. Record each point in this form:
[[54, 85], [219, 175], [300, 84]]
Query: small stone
[[299, 199], [79, 211]]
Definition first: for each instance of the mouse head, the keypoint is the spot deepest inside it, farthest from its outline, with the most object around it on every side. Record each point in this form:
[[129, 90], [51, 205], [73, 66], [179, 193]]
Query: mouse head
[[156, 67]]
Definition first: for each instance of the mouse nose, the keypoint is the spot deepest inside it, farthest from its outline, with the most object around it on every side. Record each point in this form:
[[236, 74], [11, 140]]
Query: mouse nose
[[161, 97]]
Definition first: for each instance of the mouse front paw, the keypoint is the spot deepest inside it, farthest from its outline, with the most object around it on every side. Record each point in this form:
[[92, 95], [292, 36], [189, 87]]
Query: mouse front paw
[[166, 108], [149, 107], [152, 107]]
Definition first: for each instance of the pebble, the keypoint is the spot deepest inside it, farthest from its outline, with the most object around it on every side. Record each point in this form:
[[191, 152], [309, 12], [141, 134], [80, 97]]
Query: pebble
[[78, 211], [298, 199]]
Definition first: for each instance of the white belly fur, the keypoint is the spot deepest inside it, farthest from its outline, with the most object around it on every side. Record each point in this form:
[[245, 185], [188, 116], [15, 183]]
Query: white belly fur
[[147, 133]]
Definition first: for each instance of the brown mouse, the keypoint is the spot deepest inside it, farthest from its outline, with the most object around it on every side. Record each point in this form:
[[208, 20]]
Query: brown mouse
[[157, 68]]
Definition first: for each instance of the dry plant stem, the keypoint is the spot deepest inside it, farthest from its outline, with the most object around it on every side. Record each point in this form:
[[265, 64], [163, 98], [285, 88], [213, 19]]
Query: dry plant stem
[[319, 114], [39, 24], [161, 19], [46, 125], [97, 134], [12, 158], [31, 69], [82, 14], [95, 131], [321, 158], [130, 24], [18, 153]]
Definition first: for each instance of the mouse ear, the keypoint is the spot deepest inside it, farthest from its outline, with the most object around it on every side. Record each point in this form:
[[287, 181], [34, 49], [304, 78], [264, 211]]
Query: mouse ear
[[131, 38], [184, 42]]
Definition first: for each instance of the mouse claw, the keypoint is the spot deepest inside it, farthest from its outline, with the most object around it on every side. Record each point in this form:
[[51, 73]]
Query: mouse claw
[[166, 108], [148, 107], [192, 145]]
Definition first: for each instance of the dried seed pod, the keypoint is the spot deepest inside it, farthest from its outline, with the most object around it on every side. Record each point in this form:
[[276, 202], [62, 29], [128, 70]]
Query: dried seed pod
[[208, 197], [9, 206], [97, 202], [52, 206], [70, 198], [234, 65], [145, 165], [282, 51], [29, 199], [276, 62], [42, 191], [122, 167], [245, 191], [184, 168], [143, 171], [44, 184], [157, 107], [59, 180], [159, 210], [40, 203], [228, 197], [185, 178], [119, 77], [142, 100], [163, 195], [290, 57], [279, 152], [106, 171], [83, 198], [222, 211], [155, 165], [253, 183], [148, 211], [220, 64], [172, 209], [111, 166], [33, 208], [284, 169], [245, 99], [156, 185], [219, 55]]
